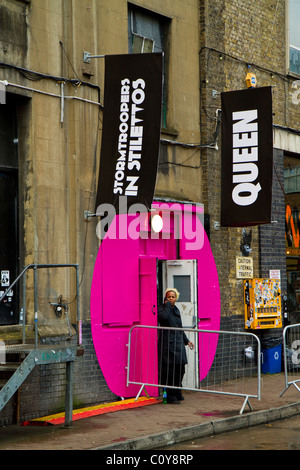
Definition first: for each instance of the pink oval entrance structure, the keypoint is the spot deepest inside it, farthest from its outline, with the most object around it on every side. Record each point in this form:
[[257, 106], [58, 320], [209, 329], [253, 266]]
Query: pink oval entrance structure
[[125, 287]]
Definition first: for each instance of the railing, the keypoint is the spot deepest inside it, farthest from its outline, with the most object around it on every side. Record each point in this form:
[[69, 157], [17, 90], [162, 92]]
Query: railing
[[232, 366], [22, 276], [291, 356]]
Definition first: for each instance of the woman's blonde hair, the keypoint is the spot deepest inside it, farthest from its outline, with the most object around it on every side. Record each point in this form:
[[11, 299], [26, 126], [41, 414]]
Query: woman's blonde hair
[[173, 290]]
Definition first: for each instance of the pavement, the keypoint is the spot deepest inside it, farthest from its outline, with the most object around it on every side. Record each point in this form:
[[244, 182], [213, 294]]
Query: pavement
[[158, 425]]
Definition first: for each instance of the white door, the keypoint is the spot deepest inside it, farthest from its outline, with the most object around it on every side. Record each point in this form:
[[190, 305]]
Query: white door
[[182, 274]]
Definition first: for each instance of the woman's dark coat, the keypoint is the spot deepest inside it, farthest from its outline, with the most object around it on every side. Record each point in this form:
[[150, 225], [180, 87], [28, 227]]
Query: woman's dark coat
[[171, 346]]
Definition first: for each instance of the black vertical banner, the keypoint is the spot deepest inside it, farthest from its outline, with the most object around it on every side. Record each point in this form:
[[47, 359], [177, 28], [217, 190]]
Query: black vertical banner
[[247, 157], [131, 129]]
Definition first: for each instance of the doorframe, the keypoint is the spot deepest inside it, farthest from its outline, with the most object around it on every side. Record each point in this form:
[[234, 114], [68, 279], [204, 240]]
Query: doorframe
[[195, 323]]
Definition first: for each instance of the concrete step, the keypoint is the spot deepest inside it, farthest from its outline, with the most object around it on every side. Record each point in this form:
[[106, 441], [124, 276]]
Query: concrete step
[[13, 334], [9, 367]]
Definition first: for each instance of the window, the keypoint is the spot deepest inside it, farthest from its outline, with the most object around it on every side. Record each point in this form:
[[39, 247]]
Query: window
[[140, 44], [292, 230], [183, 284], [147, 32], [292, 179], [294, 36]]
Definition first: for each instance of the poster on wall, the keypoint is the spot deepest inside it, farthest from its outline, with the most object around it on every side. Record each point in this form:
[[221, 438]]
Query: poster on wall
[[247, 157], [131, 129]]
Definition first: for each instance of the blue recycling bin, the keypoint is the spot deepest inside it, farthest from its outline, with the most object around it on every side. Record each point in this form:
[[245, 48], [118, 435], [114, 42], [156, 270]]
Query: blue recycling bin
[[271, 356]]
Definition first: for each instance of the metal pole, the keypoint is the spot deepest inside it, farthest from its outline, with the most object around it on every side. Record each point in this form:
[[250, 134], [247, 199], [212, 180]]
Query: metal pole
[[24, 309], [78, 307], [285, 358], [35, 307], [62, 103], [69, 393]]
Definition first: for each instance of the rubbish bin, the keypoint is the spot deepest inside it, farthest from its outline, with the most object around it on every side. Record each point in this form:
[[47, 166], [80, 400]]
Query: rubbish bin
[[271, 355]]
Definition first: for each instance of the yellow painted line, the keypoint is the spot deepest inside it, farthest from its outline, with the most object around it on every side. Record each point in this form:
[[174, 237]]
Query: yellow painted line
[[92, 408]]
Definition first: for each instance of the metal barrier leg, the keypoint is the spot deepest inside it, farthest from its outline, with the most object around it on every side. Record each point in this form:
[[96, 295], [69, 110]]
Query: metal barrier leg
[[296, 386], [286, 388], [246, 401], [140, 391]]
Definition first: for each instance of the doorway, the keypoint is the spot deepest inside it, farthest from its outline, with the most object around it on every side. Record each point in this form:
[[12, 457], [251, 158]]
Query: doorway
[[9, 195], [182, 274], [8, 244]]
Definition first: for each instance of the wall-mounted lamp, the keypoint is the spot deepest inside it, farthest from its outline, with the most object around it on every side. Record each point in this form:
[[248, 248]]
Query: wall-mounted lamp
[[251, 80], [156, 223]]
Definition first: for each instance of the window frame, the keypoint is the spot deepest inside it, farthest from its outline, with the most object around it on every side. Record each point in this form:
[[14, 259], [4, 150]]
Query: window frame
[[144, 39], [162, 20], [288, 44]]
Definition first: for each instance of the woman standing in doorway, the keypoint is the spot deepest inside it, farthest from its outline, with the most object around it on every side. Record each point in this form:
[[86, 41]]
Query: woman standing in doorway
[[172, 354]]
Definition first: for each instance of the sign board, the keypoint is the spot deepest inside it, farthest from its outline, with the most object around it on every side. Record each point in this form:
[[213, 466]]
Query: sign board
[[5, 279], [131, 129], [244, 267], [274, 274], [247, 157]]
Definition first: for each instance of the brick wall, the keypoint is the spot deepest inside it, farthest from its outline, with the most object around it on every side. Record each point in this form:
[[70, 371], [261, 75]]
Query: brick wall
[[237, 37], [272, 236]]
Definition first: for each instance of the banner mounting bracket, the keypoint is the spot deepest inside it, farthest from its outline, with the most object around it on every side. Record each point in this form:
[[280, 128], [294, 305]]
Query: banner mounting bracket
[[87, 56]]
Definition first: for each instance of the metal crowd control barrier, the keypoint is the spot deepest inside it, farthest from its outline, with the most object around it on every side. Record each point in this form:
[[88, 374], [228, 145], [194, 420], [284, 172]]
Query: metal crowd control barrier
[[291, 356], [233, 367]]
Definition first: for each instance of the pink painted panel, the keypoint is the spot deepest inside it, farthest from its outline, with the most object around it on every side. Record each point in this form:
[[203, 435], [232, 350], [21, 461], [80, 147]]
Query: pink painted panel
[[124, 263], [110, 341], [120, 282]]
